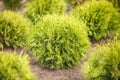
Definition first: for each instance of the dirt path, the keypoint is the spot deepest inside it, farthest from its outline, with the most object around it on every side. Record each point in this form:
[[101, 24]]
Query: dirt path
[[64, 74]]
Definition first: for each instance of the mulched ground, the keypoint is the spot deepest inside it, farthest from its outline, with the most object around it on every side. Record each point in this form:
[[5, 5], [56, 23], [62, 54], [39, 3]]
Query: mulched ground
[[64, 74]]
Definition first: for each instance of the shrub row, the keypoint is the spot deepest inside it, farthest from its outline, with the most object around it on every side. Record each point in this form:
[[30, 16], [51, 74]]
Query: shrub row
[[14, 4], [58, 41]]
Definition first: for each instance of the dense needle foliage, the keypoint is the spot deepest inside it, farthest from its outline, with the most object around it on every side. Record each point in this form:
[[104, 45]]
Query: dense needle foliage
[[59, 41], [104, 63], [13, 30], [101, 18]]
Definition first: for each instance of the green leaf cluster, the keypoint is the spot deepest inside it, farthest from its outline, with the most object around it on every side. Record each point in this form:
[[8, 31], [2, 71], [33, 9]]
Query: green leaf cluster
[[104, 63], [59, 41], [12, 4], [15, 67], [101, 18], [13, 29], [116, 3], [36, 8]]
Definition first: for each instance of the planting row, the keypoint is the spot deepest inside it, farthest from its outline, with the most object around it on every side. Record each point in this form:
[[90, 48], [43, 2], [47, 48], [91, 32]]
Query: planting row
[[17, 4], [103, 64], [59, 41]]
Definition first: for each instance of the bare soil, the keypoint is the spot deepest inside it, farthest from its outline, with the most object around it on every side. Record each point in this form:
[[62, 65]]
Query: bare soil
[[63, 74]]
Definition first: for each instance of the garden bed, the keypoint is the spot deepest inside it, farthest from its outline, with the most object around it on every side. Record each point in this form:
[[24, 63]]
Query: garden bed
[[42, 73]]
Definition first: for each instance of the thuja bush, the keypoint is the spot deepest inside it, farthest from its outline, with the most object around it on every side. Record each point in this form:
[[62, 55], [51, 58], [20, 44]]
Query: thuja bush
[[12, 4], [59, 42], [116, 3], [15, 67], [37, 8], [102, 19], [13, 29], [104, 63]]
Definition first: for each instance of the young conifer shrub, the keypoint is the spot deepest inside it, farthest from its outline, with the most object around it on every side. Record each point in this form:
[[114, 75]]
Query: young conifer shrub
[[15, 67], [116, 3], [12, 4], [13, 29], [104, 63], [101, 18], [59, 41], [37, 8]]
